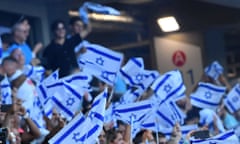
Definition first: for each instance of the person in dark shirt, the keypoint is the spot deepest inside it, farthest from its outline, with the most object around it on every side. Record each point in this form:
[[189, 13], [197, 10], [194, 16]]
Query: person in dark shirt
[[60, 52], [54, 51]]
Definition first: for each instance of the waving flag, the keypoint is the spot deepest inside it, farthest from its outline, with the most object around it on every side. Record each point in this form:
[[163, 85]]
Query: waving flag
[[6, 91], [42, 91], [68, 100], [134, 74], [214, 70], [232, 101], [67, 134], [131, 96], [83, 11], [101, 62], [207, 95], [228, 137], [35, 73], [169, 86], [84, 130], [93, 124], [136, 110]]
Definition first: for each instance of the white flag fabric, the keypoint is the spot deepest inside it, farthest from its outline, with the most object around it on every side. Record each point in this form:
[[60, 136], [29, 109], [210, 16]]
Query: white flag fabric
[[131, 96], [35, 73], [232, 101], [169, 86], [207, 95], [101, 62], [42, 91], [93, 124], [6, 92], [68, 99], [67, 134], [214, 70], [134, 74], [81, 129], [228, 137], [136, 110], [83, 10]]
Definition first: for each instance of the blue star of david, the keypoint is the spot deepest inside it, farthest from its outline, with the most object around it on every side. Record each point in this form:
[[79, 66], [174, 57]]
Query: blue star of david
[[167, 88], [208, 95], [76, 137], [100, 61], [235, 99], [139, 77], [70, 101]]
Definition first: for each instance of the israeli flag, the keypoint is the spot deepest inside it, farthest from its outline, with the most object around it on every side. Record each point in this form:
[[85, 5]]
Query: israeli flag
[[228, 137], [135, 110], [169, 86], [207, 95], [42, 90], [134, 74], [67, 134], [214, 70], [232, 101], [101, 62], [81, 129], [6, 91], [83, 10], [68, 100], [131, 96], [93, 124], [35, 73]]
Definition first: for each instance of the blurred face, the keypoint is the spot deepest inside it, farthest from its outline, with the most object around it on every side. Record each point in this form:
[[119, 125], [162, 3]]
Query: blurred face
[[27, 27], [21, 32], [60, 31], [118, 139], [55, 118], [102, 137], [10, 67], [77, 27], [19, 56], [162, 140]]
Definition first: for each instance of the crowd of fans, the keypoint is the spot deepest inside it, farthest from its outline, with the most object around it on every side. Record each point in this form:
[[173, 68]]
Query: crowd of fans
[[18, 58]]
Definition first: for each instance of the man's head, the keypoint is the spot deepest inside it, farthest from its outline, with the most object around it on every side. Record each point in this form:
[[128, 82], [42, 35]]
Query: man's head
[[19, 56], [58, 28], [20, 32], [6, 40], [76, 25], [9, 65]]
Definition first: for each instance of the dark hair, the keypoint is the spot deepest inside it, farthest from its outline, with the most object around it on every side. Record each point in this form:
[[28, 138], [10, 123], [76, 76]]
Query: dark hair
[[9, 58], [112, 135], [22, 19], [55, 24], [73, 20], [7, 38], [193, 113]]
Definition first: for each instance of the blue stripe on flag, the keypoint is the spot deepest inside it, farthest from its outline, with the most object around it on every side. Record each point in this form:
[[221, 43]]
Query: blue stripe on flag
[[127, 76], [77, 78], [231, 106], [99, 116], [162, 82], [55, 85], [104, 54], [30, 72], [137, 108], [205, 102], [44, 94], [96, 103], [5, 86], [70, 130], [173, 106], [58, 103], [212, 88], [136, 62], [90, 133], [165, 118], [73, 91], [237, 90], [148, 125], [36, 123]]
